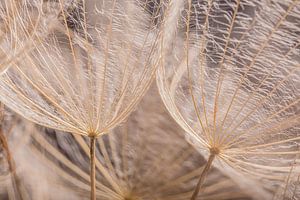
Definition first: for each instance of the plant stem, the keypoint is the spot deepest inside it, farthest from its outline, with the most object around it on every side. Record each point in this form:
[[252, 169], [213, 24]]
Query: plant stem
[[92, 165], [11, 165], [203, 175]]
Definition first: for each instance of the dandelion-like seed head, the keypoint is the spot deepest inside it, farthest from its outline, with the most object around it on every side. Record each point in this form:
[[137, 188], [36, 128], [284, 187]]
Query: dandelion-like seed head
[[234, 87]]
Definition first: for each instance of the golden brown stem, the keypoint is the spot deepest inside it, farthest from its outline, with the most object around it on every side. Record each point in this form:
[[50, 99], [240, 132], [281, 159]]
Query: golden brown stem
[[11, 165], [203, 175], [93, 171]]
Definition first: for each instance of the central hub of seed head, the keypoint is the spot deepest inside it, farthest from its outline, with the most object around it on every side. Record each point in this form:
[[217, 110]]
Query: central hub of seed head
[[214, 150], [130, 196], [92, 133]]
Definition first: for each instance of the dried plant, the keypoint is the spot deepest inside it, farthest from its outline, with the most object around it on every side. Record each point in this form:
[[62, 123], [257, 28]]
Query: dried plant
[[144, 159], [85, 81], [88, 74], [230, 77]]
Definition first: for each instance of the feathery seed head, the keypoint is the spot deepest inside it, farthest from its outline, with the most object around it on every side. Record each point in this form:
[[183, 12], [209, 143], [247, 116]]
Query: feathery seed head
[[90, 72], [235, 85]]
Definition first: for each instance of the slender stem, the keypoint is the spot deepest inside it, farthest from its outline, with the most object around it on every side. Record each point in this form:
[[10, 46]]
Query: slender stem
[[92, 173], [11, 165], [203, 175]]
